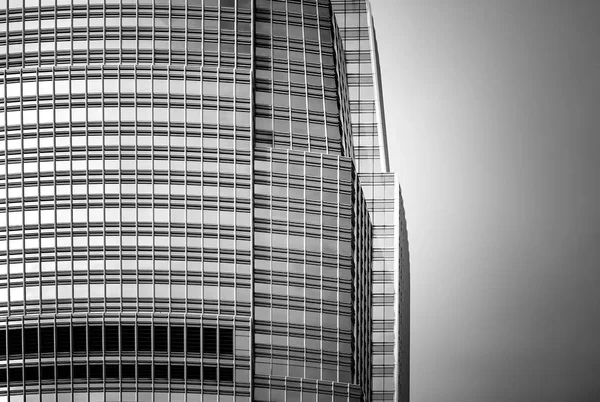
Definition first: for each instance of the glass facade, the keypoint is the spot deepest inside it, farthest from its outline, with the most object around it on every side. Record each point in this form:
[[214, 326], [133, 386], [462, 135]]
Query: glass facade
[[391, 273], [182, 211]]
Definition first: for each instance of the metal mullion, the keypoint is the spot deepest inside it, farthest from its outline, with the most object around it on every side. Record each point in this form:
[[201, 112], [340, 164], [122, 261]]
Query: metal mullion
[[104, 56], [136, 348], [185, 343], [87, 351], [289, 301], [39, 196], [39, 35], [119, 348], [235, 196], [202, 180], [219, 44], [338, 332], [185, 205], [306, 89], [169, 200], [120, 28], [185, 54], [152, 75], [152, 348], [170, 38], [55, 178], [137, 270], [321, 235], [55, 30], [72, 201], [5, 140], [169, 382], [122, 309], [153, 50], [137, 41], [105, 260], [219, 200], [70, 12], [305, 259]]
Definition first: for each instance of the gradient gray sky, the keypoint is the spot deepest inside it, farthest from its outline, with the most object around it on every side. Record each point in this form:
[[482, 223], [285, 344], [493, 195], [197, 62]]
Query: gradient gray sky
[[493, 108]]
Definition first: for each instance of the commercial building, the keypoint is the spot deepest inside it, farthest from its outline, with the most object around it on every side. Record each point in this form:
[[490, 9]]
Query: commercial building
[[187, 211], [391, 274]]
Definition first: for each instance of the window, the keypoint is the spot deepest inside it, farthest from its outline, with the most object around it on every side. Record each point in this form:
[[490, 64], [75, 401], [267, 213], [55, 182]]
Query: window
[[63, 340], [209, 373], [14, 342], [177, 339], [160, 339], [209, 341], [111, 338], [127, 338], [225, 341], [95, 338]]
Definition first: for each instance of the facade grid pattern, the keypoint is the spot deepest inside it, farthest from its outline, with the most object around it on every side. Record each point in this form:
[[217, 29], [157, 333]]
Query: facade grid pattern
[[391, 278], [191, 204]]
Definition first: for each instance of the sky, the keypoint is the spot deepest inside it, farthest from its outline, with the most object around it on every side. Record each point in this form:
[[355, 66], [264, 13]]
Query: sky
[[493, 112]]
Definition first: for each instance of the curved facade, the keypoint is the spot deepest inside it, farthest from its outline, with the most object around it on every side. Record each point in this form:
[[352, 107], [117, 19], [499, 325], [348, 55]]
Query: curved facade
[[126, 201], [391, 269], [181, 213]]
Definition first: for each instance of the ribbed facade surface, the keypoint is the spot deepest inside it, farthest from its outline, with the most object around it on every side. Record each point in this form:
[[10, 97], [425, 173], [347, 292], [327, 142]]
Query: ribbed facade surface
[[183, 214], [391, 274]]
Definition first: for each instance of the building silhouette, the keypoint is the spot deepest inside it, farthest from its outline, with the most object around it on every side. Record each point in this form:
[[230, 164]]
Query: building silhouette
[[196, 204]]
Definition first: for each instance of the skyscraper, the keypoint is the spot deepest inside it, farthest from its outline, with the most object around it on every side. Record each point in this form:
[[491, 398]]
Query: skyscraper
[[193, 206], [391, 274]]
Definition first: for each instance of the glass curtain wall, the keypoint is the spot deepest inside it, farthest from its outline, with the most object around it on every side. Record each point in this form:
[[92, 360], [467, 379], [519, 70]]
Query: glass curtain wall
[[180, 212], [391, 279], [125, 200]]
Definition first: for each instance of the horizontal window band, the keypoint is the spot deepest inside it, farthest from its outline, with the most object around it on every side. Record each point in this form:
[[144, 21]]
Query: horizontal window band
[[116, 372], [96, 339]]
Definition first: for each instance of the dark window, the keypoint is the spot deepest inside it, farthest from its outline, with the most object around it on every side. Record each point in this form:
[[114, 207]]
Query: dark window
[[63, 339], [80, 371], [78, 339], [144, 338], [160, 338], [225, 374], [128, 371], [63, 372], [47, 340], [209, 373], [193, 340], [111, 338], [3, 376], [15, 374], [112, 371], [3, 345], [14, 342], [31, 341], [31, 374], [209, 340], [193, 373], [226, 341], [128, 338], [144, 371], [177, 339], [161, 372], [177, 372], [96, 372], [95, 338], [47, 373]]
